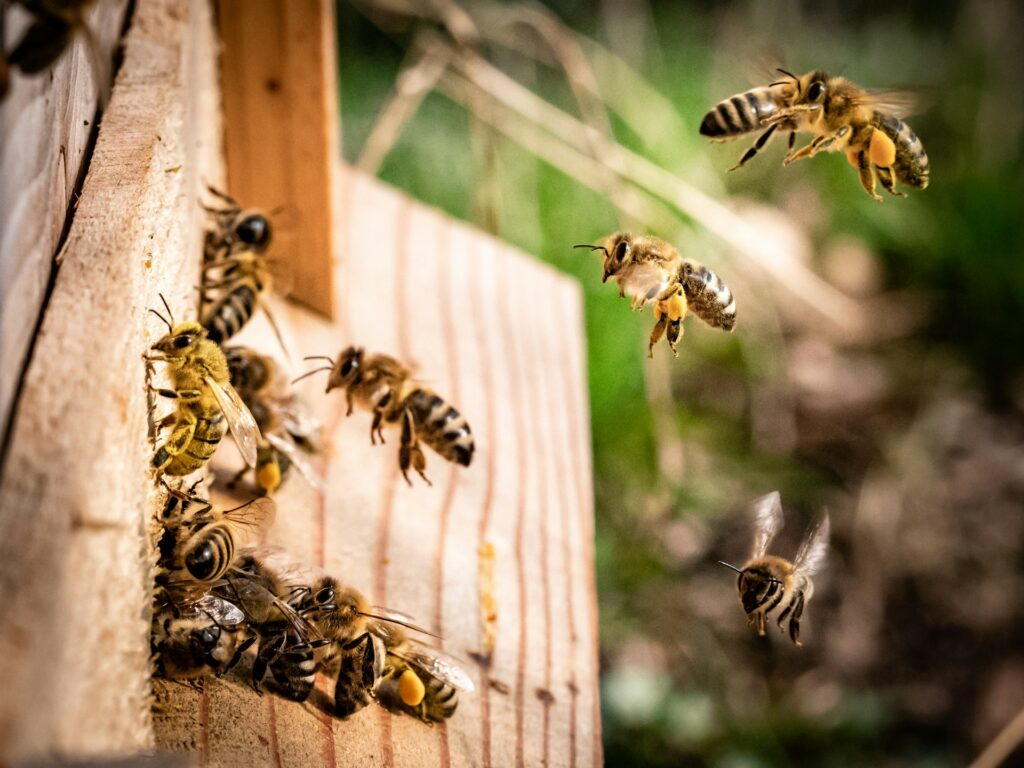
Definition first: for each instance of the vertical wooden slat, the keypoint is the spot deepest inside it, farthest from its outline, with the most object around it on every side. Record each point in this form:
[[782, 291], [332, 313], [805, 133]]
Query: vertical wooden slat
[[500, 336], [281, 131]]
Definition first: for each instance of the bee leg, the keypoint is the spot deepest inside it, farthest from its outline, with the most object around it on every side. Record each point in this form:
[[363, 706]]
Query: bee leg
[[658, 331], [808, 150], [757, 147], [794, 623], [375, 430], [184, 429], [235, 208], [792, 142], [669, 292], [410, 453], [265, 657], [760, 624], [349, 403], [888, 181], [675, 333], [867, 177], [245, 646]]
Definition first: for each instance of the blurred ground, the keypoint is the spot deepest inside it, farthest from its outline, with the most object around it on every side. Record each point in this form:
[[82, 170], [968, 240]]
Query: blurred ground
[[906, 425]]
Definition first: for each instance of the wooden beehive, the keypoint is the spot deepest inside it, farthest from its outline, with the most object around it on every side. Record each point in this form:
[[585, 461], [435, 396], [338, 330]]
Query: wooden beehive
[[491, 329]]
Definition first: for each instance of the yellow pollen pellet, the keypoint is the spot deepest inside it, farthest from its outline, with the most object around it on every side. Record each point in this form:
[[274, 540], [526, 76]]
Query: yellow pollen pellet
[[410, 688]]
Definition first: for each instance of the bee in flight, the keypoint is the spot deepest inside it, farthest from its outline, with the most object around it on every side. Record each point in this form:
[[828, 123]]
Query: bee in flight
[[236, 275], [206, 401], [384, 386], [842, 117], [770, 585], [649, 269], [201, 539], [289, 431]]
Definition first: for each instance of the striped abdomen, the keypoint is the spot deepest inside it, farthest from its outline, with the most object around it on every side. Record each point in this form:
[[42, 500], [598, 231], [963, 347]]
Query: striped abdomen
[[739, 114], [708, 297], [208, 553], [440, 699], [231, 311], [911, 166], [207, 436], [441, 427], [294, 670]]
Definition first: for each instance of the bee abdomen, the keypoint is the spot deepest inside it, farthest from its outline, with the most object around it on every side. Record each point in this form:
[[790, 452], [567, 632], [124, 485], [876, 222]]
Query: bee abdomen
[[230, 313], [738, 114], [211, 553], [295, 673], [911, 166], [708, 297], [442, 427]]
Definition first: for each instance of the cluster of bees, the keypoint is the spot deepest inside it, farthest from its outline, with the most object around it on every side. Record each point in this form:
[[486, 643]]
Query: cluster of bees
[[841, 117], [216, 598]]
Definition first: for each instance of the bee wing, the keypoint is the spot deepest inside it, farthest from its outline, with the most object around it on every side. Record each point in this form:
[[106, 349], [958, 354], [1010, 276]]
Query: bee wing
[[291, 450], [244, 430], [768, 522], [437, 665], [381, 613], [220, 610], [257, 514], [814, 548], [893, 101]]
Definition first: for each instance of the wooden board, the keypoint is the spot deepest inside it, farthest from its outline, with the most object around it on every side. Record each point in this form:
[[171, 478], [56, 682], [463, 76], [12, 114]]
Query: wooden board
[[281, 139], [46, 124], [500, 336], [77, 491]]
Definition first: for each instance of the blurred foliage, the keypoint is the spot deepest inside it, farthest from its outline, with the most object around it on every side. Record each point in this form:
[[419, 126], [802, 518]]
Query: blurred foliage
[[911, 432]]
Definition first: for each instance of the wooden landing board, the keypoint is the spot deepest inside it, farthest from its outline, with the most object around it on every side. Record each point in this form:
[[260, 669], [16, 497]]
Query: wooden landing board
[[45, 126], [500, 336], [77, 490], [281, 130]]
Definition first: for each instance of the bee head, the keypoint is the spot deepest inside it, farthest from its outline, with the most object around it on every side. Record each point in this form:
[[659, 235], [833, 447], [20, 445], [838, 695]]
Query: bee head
[[615, 249], [181, 339], [254, 230], [347, 370]]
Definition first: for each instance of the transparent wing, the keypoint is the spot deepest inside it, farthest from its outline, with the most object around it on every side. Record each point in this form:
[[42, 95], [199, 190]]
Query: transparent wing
[[256, 514], [298, 460], [300, 423], [381, 613], [220, 610], [768, 522], [437, 665], [244, 430], [898, 102], [814, 549]]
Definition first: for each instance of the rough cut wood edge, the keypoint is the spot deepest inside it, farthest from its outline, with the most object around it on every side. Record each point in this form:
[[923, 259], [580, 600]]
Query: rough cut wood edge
[[45, 127], [501, 337], [77, 491], [278, 76]]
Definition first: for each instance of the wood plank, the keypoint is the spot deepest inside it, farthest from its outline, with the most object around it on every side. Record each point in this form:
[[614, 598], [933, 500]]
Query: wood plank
[[278, 75], [46, 124], [500, 336], [77, 490]]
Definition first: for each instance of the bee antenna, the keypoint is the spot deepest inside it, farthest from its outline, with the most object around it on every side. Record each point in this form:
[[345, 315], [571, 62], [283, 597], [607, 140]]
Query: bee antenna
[[593, 247], [168, 308], [163, 319], [307, 374], [319, 357], [727, 565]]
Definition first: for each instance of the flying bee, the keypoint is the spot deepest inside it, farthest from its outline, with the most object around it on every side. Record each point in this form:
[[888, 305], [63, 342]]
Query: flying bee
[[206, 401], [421, 683], [289, 430], [384, 386], [201, 539], [649, 269], [208, 636], [768, 584], [843, 117]]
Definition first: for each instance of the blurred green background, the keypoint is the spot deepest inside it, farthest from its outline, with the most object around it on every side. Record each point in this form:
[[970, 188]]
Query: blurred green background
[[906, 423]]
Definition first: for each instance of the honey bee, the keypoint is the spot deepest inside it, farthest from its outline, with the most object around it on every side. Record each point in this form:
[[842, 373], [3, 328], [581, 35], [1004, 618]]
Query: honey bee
[[288, 429], [382, 385], [234, 230], [421, 683], [649, 269], [206, 401], [208, 636], [842, 117], [201, 539], [768, 584]]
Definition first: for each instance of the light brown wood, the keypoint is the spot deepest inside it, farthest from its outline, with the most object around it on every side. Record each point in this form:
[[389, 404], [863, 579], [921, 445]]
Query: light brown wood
[[281, 130], [77, 490], [45, 126], [500, 336]]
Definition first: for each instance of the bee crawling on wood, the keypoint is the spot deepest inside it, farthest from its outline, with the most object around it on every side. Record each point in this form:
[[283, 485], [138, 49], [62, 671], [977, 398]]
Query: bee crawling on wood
[[651, 270], [207, 404], [842, 117], [384, 386], [768, 584], [206, 636]]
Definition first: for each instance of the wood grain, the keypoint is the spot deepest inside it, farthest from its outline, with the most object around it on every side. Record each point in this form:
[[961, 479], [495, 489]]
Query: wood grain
[[76, 491], [46, 124], [278, 73], [500, 336]]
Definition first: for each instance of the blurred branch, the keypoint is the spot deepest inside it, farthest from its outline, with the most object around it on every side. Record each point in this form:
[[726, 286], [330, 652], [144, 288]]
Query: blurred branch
[[1002, 745]]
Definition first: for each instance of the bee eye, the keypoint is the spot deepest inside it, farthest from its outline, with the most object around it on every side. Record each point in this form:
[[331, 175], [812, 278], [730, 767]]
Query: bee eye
[[325, 595], [183, 341], [620, 251], [816, 91], [348, 366], [254, 230]]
